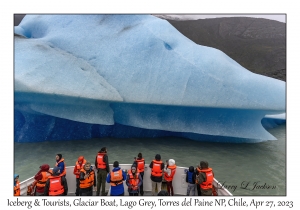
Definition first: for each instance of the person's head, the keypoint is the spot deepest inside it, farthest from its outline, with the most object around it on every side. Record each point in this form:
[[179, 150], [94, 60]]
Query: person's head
[[45, 167], [191, 169], [140, 156], [163, 193], [58, 157], [157, 157], [116, 164], [80, 159], [203, 164], [133, 168], [171, 162], [87, 166], [103, 150], [16, 176], [56, 171]]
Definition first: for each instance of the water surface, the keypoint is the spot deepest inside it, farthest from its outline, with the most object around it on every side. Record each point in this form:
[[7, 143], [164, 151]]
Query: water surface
[[245, 169]]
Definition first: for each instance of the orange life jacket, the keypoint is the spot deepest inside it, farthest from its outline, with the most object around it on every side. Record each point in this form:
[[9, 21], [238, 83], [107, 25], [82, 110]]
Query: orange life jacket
[[45, 176], [173, 171], [17, 190], [156, 169], [134, 181], [62, 160], [78, 167], [208, 184], [116, 178], [140, 164], [88, 182], [100, 161], [55, 185]]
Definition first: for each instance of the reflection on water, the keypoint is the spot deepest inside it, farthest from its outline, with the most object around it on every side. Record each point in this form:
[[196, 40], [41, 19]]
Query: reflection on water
[[245, 169]]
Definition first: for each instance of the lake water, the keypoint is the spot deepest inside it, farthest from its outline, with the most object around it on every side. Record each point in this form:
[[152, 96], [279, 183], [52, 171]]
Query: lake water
[[245, 169]]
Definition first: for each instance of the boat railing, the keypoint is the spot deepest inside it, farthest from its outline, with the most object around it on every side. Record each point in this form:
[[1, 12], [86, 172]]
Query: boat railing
[[179, 181]]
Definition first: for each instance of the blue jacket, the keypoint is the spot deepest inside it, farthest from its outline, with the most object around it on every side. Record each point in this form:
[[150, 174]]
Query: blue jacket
[[139, 184], [61, 166], [119, 189]]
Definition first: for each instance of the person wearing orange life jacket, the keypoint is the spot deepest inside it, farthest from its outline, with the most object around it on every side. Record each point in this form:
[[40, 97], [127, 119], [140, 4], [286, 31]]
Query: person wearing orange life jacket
[[40, 179], [60, 162], [133, 181], [116, 178], [56, 184], [205, 179], [102, 166], [78, 166], [140, 162], [17, 190], [87, 180], [157, 167], [169, 173]]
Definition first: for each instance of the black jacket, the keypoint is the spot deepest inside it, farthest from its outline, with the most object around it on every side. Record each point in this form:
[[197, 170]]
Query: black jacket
[[63, 183], [155, 178], [81, 177], [105, 158]]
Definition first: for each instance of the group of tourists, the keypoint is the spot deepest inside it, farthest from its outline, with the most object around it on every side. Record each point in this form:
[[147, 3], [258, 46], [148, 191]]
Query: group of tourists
[[54, 183]]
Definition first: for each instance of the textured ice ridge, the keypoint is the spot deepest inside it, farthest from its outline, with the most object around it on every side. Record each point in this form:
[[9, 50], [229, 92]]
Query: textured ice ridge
[[87, 76]]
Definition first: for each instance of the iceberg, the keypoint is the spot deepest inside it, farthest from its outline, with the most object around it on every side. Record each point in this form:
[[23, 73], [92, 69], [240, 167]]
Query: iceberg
[[92, 76]]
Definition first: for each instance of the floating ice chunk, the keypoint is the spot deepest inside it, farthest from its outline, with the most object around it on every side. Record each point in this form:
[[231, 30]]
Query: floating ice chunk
[[137, 71]]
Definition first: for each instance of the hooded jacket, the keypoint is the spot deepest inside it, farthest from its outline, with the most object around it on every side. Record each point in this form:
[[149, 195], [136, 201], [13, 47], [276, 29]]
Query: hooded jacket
[[39, 176], [130, 190], [118, 189]]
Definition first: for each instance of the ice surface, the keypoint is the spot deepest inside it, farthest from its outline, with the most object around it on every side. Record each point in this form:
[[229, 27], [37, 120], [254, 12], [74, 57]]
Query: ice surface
[[132, 75]]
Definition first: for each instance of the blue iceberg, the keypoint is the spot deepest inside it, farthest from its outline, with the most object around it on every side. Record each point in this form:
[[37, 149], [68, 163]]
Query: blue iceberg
[[91, 76]]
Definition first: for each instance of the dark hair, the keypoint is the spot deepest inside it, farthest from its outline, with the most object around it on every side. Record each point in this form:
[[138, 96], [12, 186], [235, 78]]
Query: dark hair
[[203, 164], [116, 164], [59, 155], [103, 149], [140, 155], [163, 193], [157, 157]]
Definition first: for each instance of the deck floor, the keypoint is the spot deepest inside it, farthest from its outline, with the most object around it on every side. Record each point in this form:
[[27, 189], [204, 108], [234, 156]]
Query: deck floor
[[146, 193]]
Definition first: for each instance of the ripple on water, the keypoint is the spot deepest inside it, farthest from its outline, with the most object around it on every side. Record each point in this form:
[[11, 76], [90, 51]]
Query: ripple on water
[[233, 164]]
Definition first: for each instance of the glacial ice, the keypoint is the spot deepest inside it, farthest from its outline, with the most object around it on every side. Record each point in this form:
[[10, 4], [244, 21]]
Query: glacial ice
[[88, 76]]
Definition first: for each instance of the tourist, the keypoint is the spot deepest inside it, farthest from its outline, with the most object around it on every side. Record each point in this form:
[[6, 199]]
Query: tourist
[[157, 167], [102, 166], [116, 178]]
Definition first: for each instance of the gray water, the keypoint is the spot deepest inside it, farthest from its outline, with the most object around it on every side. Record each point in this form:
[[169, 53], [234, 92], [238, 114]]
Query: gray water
[[244, 169]]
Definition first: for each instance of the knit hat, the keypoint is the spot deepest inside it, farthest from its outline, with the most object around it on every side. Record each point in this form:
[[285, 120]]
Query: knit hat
[[55, 170], [44, 167], [81, 158], [157, 157], [133, 166], [116, 164], [171, 162]]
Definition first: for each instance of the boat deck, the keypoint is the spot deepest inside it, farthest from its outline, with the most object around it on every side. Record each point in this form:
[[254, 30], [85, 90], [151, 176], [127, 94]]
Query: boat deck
[[179, 183], [146, 193]]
